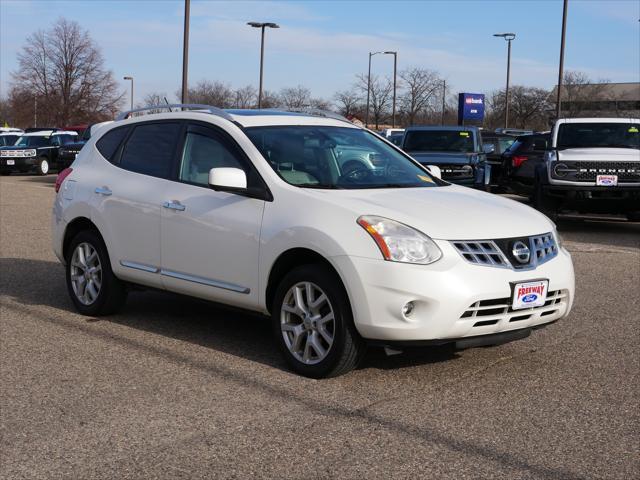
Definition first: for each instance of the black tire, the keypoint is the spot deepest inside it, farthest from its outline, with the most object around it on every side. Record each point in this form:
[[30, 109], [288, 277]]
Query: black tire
[[347, 349], [633, 216], [112, 293], [43, 166]]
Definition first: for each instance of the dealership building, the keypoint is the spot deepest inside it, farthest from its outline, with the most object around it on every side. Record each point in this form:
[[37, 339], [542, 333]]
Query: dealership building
[[600, 100]]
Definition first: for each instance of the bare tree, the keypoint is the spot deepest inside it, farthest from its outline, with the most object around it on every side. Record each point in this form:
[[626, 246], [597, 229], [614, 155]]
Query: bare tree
[[349, 102], [420, 89], [206, 92], [295, 97], [270, 99], [579, 93], [62, 70], [529, 107], [245, 97], [380, 95]]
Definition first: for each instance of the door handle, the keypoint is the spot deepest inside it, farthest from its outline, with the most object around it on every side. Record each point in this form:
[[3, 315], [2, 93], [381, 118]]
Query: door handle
[[174, 205], [103, 191]]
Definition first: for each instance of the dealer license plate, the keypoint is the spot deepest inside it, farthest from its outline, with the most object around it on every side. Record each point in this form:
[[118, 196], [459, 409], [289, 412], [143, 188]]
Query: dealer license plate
[[530, 294], [607, 180], [11, 162]]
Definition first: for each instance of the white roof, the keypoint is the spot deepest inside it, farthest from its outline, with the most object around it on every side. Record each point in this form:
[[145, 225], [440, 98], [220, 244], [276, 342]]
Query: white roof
[[19, 132], [48, 133], [10, 130], [599, 120]]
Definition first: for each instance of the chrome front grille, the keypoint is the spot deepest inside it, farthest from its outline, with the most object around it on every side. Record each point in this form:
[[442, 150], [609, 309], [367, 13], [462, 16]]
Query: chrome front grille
[[482, 253], [490, 312], [499, 253]]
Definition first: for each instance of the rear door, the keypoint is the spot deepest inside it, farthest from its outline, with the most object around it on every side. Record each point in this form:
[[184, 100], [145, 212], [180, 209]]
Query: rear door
[[211, 239], [128, 194]]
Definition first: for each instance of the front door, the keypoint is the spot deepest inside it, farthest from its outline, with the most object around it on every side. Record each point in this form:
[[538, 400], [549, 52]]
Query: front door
[[210, 240]]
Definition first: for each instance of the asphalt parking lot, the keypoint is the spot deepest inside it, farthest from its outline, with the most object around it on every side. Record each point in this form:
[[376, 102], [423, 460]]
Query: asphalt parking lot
[[177, 388]]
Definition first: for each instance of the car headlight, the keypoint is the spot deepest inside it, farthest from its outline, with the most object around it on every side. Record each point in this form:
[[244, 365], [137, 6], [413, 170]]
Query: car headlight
[[398, 242], [31, 153]]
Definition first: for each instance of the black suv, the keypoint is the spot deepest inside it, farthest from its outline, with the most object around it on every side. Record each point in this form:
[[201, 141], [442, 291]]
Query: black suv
[[520, 161], [35, 151], [501, 143], [69, 152]]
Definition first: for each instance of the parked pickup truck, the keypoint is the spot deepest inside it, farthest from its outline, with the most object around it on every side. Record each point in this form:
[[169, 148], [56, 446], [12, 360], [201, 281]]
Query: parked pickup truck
[[458, 151], [593, 166]]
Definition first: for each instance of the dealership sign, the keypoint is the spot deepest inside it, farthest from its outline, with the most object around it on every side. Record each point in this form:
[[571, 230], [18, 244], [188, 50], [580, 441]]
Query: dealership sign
[[470, 107]]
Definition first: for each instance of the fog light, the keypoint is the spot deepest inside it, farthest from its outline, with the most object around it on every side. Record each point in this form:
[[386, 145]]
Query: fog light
[[407, 309]]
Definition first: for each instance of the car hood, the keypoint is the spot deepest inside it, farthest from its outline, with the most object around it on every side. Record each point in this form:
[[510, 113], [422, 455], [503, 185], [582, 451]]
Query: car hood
[[600, 154], [448, 213], [443, 158]]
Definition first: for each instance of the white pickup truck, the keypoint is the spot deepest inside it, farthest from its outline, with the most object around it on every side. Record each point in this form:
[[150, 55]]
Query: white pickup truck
[[593, 166]]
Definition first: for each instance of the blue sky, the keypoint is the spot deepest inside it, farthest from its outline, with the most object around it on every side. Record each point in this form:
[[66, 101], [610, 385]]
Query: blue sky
[[322, 45]]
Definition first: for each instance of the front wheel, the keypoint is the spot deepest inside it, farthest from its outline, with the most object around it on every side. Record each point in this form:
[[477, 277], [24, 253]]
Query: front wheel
[[42, 167], [92, 286], [313, 323]]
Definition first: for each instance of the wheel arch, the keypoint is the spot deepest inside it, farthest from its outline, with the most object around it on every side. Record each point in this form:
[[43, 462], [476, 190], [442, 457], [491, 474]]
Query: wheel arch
[[290, 259], [74, 227]]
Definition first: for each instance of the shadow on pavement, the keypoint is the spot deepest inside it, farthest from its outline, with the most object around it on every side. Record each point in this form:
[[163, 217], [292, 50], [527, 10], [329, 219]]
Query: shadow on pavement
[[601, 231], [232, 331], [37, 282]]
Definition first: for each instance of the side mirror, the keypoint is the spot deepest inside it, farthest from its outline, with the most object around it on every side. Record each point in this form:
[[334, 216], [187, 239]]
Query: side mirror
[[435, 171], [227, 179], [488, 148]]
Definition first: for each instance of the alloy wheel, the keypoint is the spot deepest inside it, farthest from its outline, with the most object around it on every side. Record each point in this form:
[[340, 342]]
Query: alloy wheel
[[307, 323], [86, 273]]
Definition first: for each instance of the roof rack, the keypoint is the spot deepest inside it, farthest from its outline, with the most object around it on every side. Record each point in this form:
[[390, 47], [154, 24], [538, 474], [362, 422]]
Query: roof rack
[[318, 112], [183, 106]]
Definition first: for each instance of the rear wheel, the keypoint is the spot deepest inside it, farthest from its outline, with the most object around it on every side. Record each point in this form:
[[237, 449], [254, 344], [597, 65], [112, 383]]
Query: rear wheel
[[91, 284], [313, 323], [42, 167]]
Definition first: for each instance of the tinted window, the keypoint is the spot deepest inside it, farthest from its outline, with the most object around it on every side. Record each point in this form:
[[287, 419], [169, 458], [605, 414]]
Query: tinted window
[[35, 141], [202, 153], [110, 141], [439, 141], [8, 140], [579, 135], [150, 148]]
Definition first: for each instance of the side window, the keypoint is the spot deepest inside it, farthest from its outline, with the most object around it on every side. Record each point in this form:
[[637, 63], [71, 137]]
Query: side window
[[149, 150], [55, 141], [110, 141], [202, 153]]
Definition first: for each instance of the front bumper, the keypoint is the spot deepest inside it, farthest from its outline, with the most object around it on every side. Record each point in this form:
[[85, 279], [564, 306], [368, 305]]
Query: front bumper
[[443, 295], [19, 163], [619, 199]]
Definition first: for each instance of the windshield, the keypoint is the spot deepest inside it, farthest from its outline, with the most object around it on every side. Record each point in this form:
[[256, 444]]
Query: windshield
[[7, 140], [336, 157], [32, 141], [439, 141], [589, 135]]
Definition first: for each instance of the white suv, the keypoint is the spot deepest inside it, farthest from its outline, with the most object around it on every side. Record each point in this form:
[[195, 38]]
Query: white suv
[[250, 208]]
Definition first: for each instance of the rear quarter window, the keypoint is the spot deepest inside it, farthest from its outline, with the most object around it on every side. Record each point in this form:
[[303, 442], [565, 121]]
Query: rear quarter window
[[110, 141]]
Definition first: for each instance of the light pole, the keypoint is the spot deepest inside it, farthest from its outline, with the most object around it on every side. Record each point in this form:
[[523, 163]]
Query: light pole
[[130, 78], [262, 26], [444, 94], [395, 71], [508, 37], [185, 51], [561, 67], [366, 121]]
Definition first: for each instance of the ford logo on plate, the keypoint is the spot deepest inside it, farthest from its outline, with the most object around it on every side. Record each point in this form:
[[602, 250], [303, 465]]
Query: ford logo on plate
[[529, 298]]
